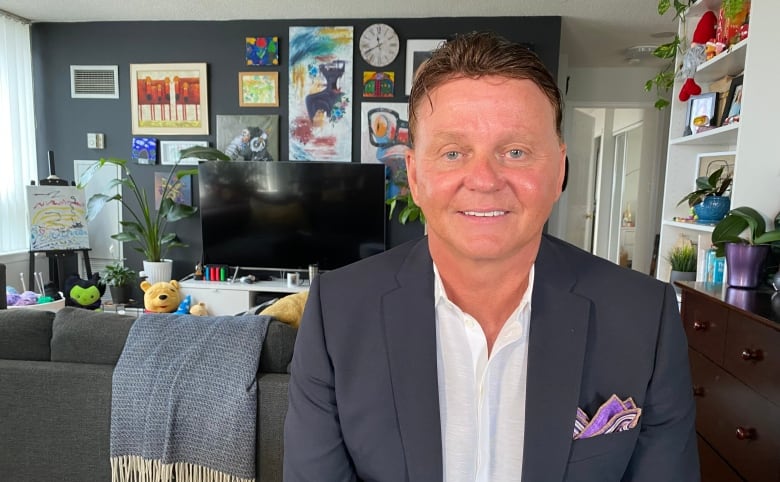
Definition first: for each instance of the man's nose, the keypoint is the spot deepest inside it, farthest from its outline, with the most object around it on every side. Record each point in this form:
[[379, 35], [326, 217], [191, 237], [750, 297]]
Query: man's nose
[[484, 173]]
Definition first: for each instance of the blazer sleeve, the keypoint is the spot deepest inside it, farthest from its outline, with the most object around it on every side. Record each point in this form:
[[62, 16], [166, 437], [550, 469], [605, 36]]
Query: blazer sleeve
[[313, 444], [666, 448]]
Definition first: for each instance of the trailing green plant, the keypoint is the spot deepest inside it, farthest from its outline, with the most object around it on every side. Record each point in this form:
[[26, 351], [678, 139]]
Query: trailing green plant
[[682, 257], [147, 228], [716, 184], [664, 80], [118, 274], [742, 225]]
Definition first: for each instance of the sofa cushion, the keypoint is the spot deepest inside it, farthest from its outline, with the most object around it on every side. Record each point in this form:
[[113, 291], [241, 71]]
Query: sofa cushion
[[277, 347], [25, 334], [85, 336]]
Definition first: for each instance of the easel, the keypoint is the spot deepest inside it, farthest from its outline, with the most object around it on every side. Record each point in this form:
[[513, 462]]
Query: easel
[[56, 269], [58, 216]]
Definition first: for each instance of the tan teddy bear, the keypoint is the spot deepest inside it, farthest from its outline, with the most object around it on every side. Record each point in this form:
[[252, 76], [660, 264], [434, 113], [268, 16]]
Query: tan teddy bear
[[161, 297]]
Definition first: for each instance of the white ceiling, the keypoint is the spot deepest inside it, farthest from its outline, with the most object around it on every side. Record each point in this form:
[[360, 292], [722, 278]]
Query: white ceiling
[[595, 33]]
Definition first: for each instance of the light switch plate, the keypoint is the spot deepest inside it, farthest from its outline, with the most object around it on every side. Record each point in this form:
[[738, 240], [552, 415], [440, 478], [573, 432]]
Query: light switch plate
[[95, 140]]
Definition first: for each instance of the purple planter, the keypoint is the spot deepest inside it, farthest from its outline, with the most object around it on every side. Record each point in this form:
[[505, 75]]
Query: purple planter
[[744, 263]]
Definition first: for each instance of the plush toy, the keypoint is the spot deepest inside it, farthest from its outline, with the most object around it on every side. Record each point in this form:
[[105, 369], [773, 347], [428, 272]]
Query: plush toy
[[695, 55], [84, 293], [199, 309], [161, 297], [184, 306], [288, 309]]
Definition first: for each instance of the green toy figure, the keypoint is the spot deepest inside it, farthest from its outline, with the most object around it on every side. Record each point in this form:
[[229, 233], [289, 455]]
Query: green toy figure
[[83, 293]]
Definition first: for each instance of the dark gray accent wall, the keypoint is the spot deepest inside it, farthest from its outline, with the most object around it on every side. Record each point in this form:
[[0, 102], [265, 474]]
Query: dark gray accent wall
[[63, 122]]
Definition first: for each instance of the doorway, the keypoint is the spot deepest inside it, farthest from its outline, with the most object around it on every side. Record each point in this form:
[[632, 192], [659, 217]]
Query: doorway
[[611, 206]]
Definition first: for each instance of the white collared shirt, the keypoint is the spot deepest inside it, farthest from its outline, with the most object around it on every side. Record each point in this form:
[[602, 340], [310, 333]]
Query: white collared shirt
[[481, 399]]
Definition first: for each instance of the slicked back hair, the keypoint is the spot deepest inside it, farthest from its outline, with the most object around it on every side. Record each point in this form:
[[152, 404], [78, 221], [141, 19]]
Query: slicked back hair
[[478, 54]]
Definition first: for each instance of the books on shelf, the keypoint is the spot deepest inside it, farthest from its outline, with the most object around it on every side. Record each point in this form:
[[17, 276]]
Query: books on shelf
[[709, 267]]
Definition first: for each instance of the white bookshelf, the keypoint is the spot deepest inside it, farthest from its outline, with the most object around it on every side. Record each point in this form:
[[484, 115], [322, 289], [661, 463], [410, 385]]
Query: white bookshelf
[[753, 140]]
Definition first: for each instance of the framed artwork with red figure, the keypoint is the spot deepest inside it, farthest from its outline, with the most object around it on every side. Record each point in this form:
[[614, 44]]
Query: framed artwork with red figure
[[169, 99]]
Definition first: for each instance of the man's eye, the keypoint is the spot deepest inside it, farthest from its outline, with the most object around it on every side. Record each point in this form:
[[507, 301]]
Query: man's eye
[[452, 155], [515, 154]]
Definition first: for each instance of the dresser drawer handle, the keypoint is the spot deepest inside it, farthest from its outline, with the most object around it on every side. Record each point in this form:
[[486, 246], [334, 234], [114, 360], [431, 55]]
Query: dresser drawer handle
[[748, 354], [746, 433], [698, 391], [700, 325]]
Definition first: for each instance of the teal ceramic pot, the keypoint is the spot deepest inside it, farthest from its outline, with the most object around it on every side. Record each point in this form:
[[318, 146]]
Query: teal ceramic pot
[[712, 209]]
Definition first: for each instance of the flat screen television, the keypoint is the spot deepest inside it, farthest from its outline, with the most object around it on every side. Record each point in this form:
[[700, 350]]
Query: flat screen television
[[288, 215]]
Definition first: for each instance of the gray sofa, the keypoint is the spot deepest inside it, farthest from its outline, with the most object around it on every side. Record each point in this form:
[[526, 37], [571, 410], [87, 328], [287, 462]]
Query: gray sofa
[[55, 394]]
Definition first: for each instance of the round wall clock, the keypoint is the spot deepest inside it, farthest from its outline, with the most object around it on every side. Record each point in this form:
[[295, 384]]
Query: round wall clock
[[379, 44]]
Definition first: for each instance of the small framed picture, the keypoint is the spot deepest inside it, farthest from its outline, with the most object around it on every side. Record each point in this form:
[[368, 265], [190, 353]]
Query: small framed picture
[[144, 150], [417, 52], [733, 102], [710, 162], [170, 152], [258, 89], [701, 112]]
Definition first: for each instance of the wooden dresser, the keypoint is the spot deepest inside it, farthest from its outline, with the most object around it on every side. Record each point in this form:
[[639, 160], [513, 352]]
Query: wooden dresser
[[734, 348]]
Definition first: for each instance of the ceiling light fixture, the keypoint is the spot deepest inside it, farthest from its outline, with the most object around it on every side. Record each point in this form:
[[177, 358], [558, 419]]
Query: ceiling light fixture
[[639, 52]]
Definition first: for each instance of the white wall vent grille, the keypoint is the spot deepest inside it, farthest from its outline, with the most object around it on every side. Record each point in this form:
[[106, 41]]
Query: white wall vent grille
[[94, 82]]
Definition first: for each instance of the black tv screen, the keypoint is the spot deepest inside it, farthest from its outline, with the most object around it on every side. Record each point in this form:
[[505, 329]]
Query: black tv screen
[[288, 215]]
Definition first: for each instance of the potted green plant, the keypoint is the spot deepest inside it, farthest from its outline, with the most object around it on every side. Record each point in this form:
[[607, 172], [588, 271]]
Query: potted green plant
[[742, 237], [119, 279], [682, 259], [410, 210], [148, 223], [709, 200]]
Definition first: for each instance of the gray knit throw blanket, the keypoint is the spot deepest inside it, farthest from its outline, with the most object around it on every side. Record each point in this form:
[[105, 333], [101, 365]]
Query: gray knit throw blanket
[[184, 399]]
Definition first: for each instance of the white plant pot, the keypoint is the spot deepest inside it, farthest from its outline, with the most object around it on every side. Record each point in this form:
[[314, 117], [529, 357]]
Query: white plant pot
[[158, 271]]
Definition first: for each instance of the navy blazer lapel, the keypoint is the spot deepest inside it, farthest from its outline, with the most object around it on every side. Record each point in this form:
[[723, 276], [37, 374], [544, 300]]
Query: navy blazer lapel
[[558, 336], [410, 326]]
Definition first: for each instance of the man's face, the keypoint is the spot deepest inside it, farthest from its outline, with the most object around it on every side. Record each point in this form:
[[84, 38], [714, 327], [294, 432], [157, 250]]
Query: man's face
[[486, 167], [245, 136]]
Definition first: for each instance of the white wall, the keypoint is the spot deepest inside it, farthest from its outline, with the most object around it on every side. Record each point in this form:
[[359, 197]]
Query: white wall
[[610, 85]]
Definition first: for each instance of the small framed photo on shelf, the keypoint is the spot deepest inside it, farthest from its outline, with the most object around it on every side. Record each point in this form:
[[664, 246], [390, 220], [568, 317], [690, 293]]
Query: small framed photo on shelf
[[701, 112], [733, 103]]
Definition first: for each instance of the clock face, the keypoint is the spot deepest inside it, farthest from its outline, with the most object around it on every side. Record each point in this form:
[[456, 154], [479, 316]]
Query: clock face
[[379, 44]]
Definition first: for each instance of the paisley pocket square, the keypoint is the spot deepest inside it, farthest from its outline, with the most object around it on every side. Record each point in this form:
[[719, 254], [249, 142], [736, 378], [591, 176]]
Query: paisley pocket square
[[614, 415]]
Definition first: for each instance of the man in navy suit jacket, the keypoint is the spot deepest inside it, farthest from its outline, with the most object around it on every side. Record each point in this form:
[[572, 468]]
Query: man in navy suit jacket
[[488, 351]]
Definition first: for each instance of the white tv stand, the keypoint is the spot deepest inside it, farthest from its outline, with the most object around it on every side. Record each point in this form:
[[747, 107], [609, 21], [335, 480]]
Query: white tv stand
[[229, 298]]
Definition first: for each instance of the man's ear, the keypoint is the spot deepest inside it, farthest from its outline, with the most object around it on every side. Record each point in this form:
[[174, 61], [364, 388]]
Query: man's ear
[[411, 172]]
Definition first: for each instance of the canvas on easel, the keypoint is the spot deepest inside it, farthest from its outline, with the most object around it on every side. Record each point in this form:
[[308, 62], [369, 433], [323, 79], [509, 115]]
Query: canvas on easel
[[57, 217]]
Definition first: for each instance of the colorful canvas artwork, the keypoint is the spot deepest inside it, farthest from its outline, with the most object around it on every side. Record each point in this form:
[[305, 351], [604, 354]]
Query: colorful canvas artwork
[[144, 150], [58, 218], [258, 89], [180, 190], [384, 138], [169, 99], [262, 51], [378, 84], [249, 137], [320, 93]]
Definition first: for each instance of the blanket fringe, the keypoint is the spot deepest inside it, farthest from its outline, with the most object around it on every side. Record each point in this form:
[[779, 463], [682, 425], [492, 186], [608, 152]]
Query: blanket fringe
[[134, 468]]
